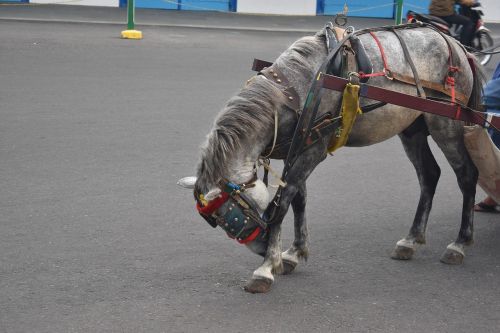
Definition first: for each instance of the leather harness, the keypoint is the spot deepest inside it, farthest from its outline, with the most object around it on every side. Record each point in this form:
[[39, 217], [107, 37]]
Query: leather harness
[[310, 129], [324, 125]]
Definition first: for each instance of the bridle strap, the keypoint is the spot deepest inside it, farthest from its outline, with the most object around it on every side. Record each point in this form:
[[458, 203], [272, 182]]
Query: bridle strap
[[275, 137], [273, 74]]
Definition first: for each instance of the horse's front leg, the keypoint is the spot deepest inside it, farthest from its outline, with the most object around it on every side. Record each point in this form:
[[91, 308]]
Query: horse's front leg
[[299, 249], [263, 277]]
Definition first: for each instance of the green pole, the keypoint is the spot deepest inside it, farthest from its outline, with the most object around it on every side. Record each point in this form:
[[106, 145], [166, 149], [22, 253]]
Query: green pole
[[131, 33], [130, 15], [399, 11]]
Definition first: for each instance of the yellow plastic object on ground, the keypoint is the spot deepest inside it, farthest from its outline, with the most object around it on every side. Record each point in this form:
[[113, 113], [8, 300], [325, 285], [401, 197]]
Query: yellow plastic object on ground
[[132, 34], [350, 109]]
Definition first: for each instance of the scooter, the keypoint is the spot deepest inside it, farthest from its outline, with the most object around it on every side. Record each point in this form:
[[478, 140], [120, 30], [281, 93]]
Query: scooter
[[482, 44]]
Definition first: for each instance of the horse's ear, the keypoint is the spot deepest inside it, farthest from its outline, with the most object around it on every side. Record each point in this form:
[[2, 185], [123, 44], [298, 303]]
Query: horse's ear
[[187, 182]]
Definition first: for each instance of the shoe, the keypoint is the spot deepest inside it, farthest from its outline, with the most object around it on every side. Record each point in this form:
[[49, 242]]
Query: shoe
[[485, 208]]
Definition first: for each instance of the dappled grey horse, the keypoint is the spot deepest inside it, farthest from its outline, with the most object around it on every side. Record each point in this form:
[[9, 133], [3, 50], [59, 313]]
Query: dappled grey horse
[[246, 126]]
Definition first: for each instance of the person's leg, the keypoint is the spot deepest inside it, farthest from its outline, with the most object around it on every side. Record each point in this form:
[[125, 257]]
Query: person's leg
[[487, 205], [467, 27]]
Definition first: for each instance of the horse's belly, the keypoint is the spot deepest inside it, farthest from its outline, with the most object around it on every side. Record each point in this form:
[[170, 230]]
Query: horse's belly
[[380, 125]]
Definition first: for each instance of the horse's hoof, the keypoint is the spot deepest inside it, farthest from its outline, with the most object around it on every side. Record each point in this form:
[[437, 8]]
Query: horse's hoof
[[452, 257], [402, 253], [288, 267], [258, 285]]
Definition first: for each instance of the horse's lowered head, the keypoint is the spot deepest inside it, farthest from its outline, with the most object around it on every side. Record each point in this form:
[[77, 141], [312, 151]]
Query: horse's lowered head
[[237, 209], [226, 188]]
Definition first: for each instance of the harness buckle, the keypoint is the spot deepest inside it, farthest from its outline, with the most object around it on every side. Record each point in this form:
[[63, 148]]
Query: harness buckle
[[452, 70], [353, 77], [388, 74]]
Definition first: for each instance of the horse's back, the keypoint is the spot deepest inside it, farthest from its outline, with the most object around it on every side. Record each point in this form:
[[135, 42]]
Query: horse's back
[[430, 53]]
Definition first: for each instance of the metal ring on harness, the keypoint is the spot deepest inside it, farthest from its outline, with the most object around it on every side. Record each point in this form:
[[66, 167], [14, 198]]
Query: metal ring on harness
[[388, 74], [340, 20]]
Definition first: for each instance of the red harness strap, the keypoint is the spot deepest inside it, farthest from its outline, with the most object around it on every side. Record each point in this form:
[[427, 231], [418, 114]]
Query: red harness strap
[[386, 71], [213, 205], [250, 237], [459, 112], [450, 80]]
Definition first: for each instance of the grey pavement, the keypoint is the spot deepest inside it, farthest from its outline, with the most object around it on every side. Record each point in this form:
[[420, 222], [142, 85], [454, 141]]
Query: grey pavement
[[95, 236], [147, 17], [158, 17]]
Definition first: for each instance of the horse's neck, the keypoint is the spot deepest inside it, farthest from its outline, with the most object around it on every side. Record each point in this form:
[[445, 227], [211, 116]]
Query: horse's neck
[[300, 78]]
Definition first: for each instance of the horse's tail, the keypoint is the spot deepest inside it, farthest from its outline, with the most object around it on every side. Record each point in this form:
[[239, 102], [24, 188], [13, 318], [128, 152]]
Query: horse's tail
[[479, 78]]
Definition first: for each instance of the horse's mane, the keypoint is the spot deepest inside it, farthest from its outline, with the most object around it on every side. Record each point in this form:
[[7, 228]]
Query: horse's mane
[[296, 57], [247, 120]]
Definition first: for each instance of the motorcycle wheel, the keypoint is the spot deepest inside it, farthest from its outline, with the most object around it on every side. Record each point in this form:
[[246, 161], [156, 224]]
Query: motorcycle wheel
[[482, 41]]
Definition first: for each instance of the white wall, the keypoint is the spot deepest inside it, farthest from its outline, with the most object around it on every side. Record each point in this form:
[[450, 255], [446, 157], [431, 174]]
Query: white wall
[[491, 10], [283, 7], [106, 3]]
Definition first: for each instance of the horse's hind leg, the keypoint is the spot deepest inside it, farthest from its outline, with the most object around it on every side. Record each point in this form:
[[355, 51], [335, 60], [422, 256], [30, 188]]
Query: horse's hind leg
[[428, 172], [299, 249], [449, 137]]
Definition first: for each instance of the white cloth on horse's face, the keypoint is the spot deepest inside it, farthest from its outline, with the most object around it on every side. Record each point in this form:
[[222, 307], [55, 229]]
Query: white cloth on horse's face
[[212, 194], [259, 194]]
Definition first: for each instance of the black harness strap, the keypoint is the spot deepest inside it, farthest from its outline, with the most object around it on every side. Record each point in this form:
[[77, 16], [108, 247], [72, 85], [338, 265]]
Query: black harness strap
[[304, 126], [311, 106], [331, 39], [258, 65], [322, 126], [371, 107], [418, 84]]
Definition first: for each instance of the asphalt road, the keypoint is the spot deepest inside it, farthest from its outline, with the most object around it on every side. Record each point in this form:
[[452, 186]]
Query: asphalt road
[[96, 237]]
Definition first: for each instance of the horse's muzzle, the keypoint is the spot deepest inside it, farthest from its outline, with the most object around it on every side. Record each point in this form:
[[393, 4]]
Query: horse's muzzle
[[235, 212]]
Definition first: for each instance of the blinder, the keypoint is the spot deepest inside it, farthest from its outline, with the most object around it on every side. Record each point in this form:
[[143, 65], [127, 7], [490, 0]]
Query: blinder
[[234, 212]]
